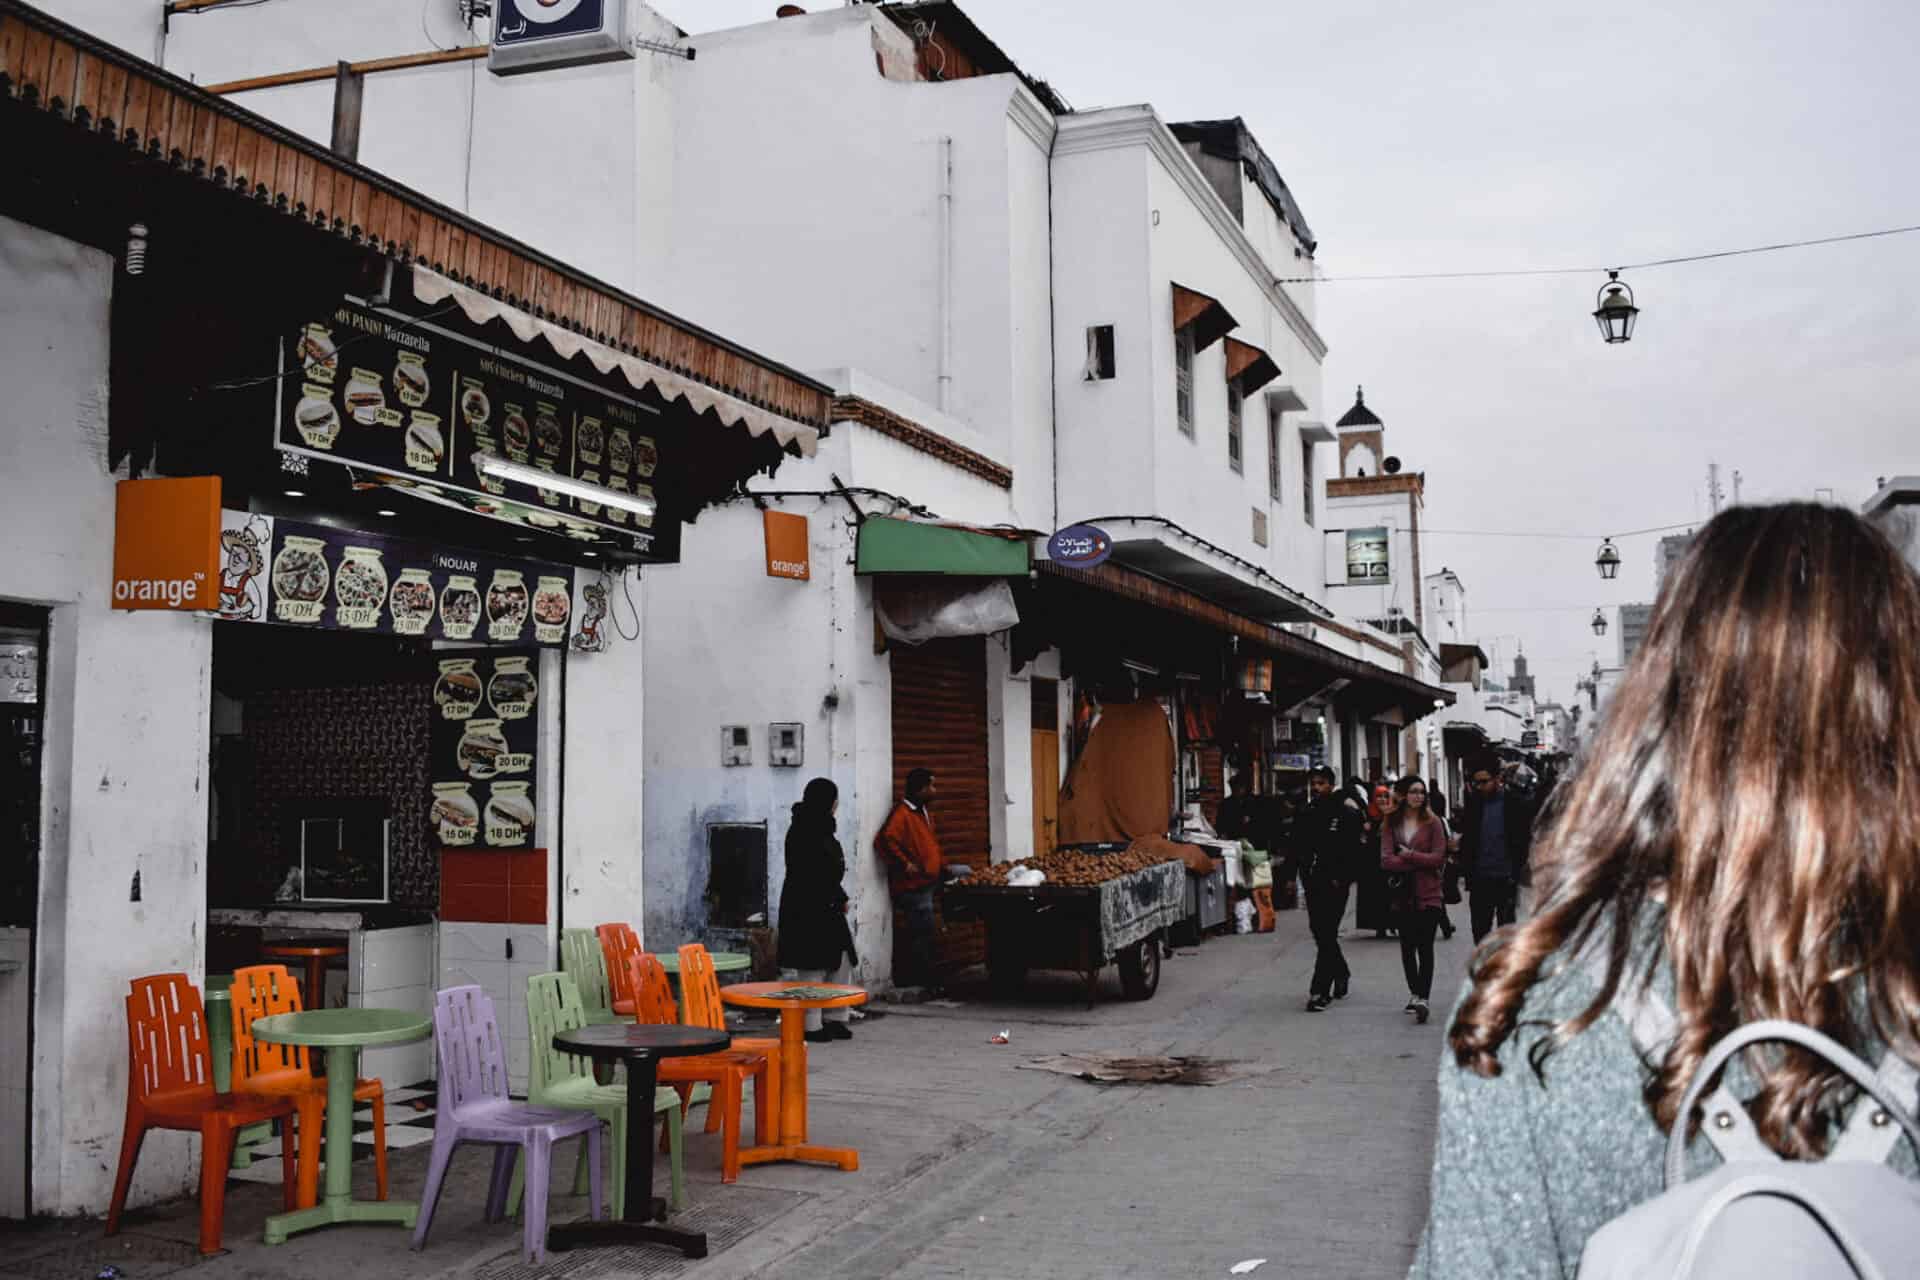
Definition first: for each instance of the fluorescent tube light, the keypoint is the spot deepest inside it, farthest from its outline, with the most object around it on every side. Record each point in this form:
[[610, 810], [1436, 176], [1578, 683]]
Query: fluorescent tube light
[[493, 464]]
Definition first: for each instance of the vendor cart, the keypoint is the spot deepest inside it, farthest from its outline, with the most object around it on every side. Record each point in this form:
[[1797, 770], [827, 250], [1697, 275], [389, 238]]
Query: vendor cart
[[1084, 928]]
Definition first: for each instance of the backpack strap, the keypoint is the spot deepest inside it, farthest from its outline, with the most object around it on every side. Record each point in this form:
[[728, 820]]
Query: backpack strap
[[1652, 1024], [1871, 1132], [1791, 1033]]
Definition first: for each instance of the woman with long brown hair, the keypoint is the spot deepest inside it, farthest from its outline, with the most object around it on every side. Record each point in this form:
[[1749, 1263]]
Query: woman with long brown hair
[[1740, 842]]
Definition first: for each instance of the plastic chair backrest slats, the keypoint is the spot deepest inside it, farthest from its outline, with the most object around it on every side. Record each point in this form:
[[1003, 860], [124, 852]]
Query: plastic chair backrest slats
[[582, 960], [649, 979], [553, 1006], [700, 986], [473, 1062], [167, 1037], [617, 942], [259, 991]]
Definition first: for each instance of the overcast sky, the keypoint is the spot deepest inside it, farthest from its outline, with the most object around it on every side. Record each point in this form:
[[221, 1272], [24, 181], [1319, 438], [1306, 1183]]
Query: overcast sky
[[1501, 134]]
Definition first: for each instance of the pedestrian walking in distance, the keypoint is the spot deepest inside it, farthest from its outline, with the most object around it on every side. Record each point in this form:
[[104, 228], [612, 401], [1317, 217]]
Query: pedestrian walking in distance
[[816, 944], [911, 850], [1450, 874], [1327, 838], [1496, 842], [1741, 842], [1413, 853], [1371, 909]]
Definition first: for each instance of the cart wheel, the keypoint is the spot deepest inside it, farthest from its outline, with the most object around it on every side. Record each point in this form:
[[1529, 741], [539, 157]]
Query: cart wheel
[[1140, 969]]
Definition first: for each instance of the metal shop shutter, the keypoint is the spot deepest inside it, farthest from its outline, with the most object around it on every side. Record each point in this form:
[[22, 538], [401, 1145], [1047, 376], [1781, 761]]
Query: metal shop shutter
[[940, 723]]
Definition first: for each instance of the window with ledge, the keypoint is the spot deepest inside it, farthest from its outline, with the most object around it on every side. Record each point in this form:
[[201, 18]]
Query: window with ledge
[[1273, 454], [1235, 448], [1183, 378], [1307, 479]]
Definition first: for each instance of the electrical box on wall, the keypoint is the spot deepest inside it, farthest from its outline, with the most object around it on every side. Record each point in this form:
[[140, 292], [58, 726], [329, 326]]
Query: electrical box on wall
[[736, 746], [538, 35], [786, 745]]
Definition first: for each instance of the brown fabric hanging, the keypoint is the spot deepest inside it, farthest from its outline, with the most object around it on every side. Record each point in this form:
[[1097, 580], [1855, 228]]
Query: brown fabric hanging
[[1121, 787]]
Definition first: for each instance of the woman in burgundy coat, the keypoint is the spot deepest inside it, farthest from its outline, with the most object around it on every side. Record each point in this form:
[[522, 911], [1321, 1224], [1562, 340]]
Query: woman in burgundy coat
[[1413, 853]]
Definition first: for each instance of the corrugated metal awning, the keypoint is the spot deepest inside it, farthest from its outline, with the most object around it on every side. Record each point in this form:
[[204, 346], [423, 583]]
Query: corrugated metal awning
[[431, 287]]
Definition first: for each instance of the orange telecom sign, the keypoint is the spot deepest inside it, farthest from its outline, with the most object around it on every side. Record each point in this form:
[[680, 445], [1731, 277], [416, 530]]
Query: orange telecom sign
[[166, 544], [787, 555]]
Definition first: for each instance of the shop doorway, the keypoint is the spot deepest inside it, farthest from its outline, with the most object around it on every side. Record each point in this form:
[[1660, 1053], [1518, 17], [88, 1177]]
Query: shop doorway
[[940, 723], [1046, 764], [23, 633]]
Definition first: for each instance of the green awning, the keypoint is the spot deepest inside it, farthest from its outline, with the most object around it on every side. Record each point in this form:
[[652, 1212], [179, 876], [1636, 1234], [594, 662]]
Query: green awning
[[901, 546]]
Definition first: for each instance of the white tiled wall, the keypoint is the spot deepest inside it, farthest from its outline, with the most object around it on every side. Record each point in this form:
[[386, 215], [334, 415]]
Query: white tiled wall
[[15, 946], [394, 969], [477, 954]]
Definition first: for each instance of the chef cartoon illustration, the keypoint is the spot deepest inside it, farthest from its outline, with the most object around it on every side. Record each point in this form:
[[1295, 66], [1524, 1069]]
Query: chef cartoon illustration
[[588, 638], [244, 542]]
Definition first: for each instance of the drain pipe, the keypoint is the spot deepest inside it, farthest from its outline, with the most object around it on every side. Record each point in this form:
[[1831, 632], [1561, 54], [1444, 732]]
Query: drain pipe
[[946, 274]]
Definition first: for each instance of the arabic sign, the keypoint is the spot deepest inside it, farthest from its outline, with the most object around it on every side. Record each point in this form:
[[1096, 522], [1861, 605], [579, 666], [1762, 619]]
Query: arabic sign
[[1368, 558], [392, 394], [485, 736], [1079, 546], [19, 671], [310, 575]]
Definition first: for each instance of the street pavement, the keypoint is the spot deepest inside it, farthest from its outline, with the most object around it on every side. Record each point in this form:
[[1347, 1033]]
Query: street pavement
[[971, 1166]]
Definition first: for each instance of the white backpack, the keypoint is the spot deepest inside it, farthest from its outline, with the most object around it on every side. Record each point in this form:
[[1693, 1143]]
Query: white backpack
[[1848, 1217]]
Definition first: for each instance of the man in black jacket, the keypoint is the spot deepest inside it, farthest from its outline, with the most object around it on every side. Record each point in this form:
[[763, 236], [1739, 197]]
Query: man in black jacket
[[1496, 845], [1326, 840]]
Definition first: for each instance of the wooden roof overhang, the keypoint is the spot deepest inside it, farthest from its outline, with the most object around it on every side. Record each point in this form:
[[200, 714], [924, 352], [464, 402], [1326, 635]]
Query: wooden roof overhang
[[58, 70]]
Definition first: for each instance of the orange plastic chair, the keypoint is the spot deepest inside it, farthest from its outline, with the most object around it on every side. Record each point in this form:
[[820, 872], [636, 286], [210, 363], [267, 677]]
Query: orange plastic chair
[[170, 1086], [700, 987], [284, 1070], [727, 1072], [617, 942]]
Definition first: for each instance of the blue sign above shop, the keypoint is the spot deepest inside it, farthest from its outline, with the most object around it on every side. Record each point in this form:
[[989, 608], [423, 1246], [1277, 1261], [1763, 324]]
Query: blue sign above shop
[[1079, 546]]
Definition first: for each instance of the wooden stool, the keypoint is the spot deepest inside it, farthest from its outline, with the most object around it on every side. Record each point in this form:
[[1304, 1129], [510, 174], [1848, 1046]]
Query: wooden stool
[[316, 955]]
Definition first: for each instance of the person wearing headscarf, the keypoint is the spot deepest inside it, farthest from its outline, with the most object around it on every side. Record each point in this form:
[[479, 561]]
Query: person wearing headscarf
[[816, 945]]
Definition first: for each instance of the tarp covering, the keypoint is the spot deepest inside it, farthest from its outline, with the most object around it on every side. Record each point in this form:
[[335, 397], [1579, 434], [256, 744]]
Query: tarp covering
[[923, 611], [902, 546], [1121, 787]]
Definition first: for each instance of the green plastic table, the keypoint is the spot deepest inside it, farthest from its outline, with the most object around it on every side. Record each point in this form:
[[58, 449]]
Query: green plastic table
[[342, 1033], [219, 1007], [723, 961]]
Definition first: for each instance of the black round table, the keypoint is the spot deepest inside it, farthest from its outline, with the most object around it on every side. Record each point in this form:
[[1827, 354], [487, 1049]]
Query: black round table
[[640, 1046]]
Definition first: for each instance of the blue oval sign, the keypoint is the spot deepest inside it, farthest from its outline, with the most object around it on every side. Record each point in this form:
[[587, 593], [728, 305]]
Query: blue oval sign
[[1079, 546]]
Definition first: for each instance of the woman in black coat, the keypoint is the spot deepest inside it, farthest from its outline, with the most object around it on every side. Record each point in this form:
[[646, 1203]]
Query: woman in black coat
[[815, 942]]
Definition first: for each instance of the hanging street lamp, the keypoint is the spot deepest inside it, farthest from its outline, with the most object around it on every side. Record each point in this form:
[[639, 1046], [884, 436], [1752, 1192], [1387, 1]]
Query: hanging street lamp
[[1608, 561], [1599, 623], [1615, 313]]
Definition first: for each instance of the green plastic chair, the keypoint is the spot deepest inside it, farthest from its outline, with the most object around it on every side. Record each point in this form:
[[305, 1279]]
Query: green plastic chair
[[565, 1081], [582, 960]]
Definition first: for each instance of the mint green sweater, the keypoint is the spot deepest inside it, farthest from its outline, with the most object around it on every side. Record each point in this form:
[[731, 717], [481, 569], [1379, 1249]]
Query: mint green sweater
[[1524, 1172]]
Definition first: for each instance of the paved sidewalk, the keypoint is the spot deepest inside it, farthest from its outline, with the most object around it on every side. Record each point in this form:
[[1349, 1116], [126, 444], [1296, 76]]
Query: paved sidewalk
[[970, 1166]]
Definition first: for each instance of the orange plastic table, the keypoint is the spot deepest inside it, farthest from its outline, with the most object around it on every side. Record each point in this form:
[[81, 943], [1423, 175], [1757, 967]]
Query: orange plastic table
[[790, 1142], [316, 952]]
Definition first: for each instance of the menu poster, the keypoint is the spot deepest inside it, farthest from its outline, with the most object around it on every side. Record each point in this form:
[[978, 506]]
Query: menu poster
[[286, 571], [485, 732], [382, 390]]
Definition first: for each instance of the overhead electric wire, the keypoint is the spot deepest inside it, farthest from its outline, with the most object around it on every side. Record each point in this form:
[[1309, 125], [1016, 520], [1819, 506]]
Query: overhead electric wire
[[1615, 266]]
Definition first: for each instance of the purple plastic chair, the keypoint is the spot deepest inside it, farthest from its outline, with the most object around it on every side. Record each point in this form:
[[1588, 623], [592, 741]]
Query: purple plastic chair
[[474, 1107]]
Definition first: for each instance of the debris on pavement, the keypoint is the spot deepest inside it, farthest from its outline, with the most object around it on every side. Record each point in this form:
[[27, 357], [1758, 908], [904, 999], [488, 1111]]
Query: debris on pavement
[[1243, 1268], [1113, 1069], [1005, 1036]]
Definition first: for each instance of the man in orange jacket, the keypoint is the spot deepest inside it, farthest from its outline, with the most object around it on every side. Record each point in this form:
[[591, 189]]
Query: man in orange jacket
[[910, 849]]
